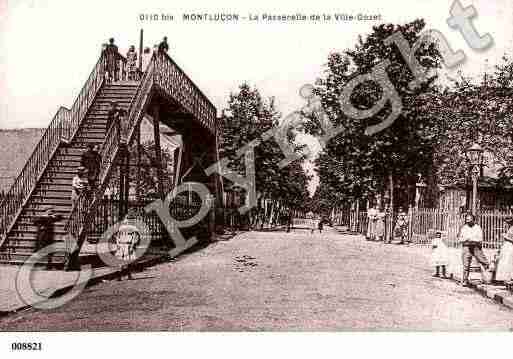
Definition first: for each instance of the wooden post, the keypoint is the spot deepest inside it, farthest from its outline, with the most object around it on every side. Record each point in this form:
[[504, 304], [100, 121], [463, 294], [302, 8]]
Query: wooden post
[[357, 215], [126, 195], [391, 220], [121, 187], [140, 50], [158, 152], [124, 183], [138, 175]]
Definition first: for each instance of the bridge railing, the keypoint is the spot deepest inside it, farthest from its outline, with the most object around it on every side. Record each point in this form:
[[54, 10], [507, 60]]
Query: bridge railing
[[170, 77]]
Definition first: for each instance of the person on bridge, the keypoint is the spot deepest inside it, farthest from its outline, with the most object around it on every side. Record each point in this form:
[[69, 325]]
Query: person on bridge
[[146, 59], [113, 116], [471, 238], [112, 61], [131, 64], [79, 186], [92, 161], [163, 46]]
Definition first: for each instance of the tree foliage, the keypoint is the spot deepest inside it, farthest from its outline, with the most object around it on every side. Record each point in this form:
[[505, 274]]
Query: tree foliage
[[245, 119], [353, 164]]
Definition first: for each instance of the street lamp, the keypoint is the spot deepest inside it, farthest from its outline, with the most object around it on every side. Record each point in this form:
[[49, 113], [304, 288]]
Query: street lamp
[[475, 156]]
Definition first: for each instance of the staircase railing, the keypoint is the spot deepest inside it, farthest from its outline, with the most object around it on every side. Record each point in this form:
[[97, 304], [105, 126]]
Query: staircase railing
[[63, 127], [83, 212], [85, 98], [20, 190]]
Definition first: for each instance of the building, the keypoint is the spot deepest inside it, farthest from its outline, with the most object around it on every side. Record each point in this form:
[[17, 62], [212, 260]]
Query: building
[[17, 146]]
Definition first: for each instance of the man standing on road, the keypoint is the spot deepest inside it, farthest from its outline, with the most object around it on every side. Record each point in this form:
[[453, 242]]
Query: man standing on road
[[471, 238], [45, 225]]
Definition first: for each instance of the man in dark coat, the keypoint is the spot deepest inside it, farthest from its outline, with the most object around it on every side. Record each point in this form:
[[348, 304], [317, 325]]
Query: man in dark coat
[[92, 161], [112, 57], [112, 115], [45, 225], [163, 46]]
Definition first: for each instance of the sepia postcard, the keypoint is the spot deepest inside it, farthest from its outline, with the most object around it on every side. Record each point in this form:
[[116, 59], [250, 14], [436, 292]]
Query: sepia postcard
[[214, 167]]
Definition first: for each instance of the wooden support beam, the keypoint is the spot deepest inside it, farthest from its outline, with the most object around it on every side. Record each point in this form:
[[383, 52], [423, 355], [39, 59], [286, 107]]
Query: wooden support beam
[[158, 151], [140, 50], [139, 173]]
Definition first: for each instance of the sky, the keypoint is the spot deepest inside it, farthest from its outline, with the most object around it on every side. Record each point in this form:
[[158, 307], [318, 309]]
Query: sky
[[49, 47]]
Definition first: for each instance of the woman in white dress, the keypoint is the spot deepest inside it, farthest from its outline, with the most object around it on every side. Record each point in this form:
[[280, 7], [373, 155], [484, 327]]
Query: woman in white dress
[[372, 214], [504, 270], [380, 225]]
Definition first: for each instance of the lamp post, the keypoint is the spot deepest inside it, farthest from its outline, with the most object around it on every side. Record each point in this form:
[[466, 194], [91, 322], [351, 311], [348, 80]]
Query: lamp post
[[474, 155]]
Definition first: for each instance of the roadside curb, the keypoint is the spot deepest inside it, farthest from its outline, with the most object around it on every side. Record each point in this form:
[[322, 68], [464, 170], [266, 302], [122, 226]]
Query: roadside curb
[[497, 293]]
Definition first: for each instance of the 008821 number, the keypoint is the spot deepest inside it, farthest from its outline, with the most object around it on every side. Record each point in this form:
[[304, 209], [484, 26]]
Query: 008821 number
[[26, 346]]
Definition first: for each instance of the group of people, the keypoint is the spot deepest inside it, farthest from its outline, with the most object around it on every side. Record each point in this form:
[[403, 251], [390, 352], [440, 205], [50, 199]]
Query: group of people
[[133, 73], [376, 225], [470, 237], [86, 178]]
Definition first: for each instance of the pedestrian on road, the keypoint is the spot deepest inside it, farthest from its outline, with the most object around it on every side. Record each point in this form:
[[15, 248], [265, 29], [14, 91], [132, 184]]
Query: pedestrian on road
[[92, 161], [439, 255], [313, 222], [380, 225], [372, 214], [45, 229], [504, 270], [471, 238], [127, 239], [401, 226], [320, 225], [79, 186]]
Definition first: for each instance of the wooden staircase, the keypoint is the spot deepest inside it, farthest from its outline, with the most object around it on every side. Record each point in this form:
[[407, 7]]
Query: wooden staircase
[[47, 175], [54, 186]]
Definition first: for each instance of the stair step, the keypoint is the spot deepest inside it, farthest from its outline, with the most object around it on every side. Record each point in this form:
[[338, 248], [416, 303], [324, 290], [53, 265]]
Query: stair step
[[51, 187], [53, 198], [55, 181], [70, 151], [30, 235], [96, 136], [30, 226], [68, 158], [37, 208], [20, 258]]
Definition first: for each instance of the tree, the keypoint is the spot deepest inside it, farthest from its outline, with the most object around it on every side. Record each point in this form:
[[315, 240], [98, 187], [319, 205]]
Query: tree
[[245, 119], [357, 165]]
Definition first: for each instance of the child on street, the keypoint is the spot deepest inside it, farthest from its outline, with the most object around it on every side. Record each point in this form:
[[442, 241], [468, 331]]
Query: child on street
[[439, 255]]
